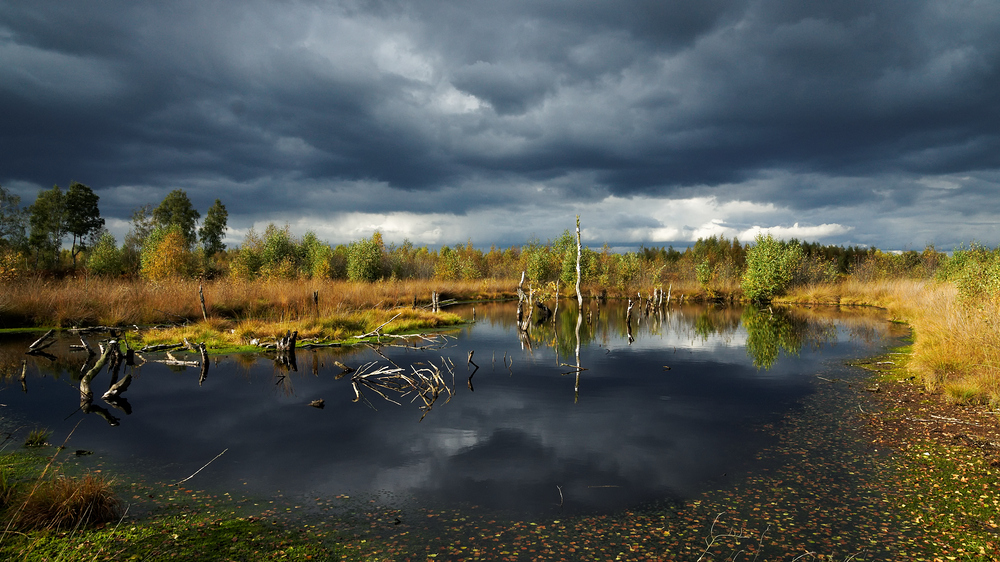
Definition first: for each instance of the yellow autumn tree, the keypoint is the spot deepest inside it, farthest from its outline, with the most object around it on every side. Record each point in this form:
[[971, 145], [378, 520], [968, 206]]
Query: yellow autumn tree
[[12, 264], [165, 254]]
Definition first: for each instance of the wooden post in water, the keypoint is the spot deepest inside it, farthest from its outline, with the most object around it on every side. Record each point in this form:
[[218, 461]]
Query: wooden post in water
[[201, 297]]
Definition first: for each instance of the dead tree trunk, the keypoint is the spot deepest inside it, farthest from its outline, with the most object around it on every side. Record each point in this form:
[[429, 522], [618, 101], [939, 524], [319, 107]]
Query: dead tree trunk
[[579, 253], [287, 343]]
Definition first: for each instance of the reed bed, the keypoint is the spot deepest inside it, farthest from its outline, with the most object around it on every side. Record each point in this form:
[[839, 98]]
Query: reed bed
[[78, 302], [956, 347]]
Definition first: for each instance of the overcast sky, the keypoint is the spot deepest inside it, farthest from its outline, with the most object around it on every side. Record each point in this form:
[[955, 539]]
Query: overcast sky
[[844, 122]]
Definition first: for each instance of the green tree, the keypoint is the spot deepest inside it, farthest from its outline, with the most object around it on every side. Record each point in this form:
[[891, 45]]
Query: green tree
[[213, 229], [770, 267], [83, 218], [176, 210], [364, 258], [247, 262], [106, 258], [318, 257], [48, 226], [142, 227], [12, 219]]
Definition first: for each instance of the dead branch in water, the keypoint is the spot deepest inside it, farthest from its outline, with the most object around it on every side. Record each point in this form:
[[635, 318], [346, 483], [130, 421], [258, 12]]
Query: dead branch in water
[[424, 383], [41, 343]]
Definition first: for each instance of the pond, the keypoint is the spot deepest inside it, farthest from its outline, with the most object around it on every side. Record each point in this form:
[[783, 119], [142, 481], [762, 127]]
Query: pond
[[662, 409]]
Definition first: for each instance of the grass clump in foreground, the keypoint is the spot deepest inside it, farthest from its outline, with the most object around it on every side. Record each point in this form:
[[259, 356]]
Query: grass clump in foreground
[[61, 517], [33, 498], [37, 437]]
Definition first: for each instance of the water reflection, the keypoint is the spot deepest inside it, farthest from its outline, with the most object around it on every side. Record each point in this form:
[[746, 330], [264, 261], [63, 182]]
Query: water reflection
[[567, 410]]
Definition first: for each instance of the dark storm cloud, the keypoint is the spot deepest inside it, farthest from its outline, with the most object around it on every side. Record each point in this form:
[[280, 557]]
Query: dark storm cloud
[[419, 107]]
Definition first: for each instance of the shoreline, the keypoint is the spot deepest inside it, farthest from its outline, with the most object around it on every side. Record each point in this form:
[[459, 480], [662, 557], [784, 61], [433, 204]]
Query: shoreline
[[939, 453]]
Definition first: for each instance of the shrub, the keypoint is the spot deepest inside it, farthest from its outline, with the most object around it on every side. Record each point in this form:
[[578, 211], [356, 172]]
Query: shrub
[[975, 271], [246, 264], [106, 258], [704, 272], [364, 259], [279, 254], [318, 257], [770, 267]]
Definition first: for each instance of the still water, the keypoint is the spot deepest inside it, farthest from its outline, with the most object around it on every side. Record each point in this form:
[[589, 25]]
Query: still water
[[659, 412]]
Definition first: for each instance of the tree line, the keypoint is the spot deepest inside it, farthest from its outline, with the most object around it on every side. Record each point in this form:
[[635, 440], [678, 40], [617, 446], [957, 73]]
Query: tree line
[[32, 238], [167, 241]]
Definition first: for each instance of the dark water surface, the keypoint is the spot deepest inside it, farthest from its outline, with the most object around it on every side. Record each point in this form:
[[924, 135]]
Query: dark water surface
[[634, 432]]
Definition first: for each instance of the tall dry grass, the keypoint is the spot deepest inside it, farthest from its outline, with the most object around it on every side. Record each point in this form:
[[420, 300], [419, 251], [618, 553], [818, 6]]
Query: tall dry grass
[[75, 302], [956, 347]]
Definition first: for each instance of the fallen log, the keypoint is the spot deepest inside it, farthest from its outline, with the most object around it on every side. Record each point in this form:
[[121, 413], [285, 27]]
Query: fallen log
[[161, 347]]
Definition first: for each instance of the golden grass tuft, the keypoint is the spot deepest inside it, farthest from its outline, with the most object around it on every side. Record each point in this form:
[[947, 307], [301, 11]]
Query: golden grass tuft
[[65, 503], [956, 346]]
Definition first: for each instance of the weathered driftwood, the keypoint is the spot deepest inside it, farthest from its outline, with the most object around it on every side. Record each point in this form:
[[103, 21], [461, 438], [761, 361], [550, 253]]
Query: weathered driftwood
[[320, 403], [86, 347], [103, 329], [85, 392], [41, 343], [175, 362], [118, 388], [161, 347], [424, 383], [316, 345]]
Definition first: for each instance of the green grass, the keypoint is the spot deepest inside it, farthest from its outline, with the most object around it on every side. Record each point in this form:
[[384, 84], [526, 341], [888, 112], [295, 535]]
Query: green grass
[[181, 526], [182, 536], [37, 438]]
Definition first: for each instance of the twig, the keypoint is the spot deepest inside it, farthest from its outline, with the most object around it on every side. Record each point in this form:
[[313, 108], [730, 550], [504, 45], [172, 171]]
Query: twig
[[202, 468], [375, 331]]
